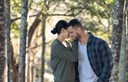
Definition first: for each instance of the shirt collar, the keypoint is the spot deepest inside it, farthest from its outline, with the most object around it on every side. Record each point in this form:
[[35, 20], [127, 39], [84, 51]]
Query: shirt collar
[[90, 37]]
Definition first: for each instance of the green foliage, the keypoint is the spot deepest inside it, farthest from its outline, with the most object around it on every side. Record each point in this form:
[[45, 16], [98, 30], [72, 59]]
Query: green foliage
[[15, 30], [15, 7], [109, 1]]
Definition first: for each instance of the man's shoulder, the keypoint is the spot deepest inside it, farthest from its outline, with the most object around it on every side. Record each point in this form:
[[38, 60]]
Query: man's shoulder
[[98, 39]]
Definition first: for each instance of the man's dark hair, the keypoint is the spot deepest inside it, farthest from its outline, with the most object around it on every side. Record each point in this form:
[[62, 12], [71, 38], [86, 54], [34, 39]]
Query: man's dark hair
[[75, 23]]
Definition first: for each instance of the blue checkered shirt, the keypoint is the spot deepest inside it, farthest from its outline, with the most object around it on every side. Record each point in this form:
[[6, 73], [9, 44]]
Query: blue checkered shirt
[[100, 58]]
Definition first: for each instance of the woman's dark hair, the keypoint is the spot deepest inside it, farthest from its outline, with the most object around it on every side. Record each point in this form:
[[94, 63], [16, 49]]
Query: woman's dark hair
[[60, 24]]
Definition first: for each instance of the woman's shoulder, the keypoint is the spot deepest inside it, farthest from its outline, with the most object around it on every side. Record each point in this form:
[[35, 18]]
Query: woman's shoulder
[[55, 42]]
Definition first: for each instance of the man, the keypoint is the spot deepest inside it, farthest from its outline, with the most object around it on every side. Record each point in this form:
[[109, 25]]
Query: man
[[95, 58]]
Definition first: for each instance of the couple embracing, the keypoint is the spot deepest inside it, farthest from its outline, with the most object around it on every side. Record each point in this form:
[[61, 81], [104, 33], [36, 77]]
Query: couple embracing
[[87, 59]]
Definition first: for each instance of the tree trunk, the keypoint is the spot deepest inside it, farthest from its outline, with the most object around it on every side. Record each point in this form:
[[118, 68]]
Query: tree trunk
[[32, 29], [116, 37], [30, 35], [122, 62], [43, 48], [23, 35], [33, 74], [127, 39], [127, 58], [2, 40], [9, 50], [14, 65], [14, 70]]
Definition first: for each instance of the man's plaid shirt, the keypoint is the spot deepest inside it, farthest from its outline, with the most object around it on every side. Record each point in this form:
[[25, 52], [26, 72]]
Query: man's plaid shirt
[[100, 57]]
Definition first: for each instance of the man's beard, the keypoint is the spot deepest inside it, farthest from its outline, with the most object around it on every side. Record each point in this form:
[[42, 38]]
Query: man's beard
[[77, 37]]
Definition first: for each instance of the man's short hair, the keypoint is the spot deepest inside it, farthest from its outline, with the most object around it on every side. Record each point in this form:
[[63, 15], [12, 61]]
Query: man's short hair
[[75, 23]]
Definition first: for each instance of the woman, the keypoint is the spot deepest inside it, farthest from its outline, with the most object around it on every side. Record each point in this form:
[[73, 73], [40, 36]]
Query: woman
[[63, 57]]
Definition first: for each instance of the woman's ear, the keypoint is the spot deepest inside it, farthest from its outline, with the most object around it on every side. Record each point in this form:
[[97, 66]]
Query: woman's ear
[[62, 30]]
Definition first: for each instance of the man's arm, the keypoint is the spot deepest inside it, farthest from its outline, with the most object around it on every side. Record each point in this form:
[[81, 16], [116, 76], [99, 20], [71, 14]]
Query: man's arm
[[107, 62]]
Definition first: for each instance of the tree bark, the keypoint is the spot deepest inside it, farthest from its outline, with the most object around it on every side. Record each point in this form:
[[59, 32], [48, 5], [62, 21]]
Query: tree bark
[[9, 48], [127, 58], [14, 66], [30, 35], [23, 35], [14, 72], [116, 37], [122, 62], [127, 39], [43, 48], [2, 40], [32, 30], [33, 73]]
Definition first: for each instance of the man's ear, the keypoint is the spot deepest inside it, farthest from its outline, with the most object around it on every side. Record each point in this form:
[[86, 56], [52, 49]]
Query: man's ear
[[78, 30]]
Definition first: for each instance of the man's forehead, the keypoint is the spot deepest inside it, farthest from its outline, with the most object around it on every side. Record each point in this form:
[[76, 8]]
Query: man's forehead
[[72, 28]]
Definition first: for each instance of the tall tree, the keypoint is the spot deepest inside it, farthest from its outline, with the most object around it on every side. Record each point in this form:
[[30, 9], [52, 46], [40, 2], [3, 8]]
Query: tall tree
[[116, 37], [122, 62], [126, 19], [9, 48], [44, 14], [30, 35], [2, 40], [23, 35], [43, 48]]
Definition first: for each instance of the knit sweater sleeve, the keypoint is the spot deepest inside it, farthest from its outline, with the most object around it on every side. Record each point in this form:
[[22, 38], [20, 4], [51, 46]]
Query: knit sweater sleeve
[[64, 53]]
